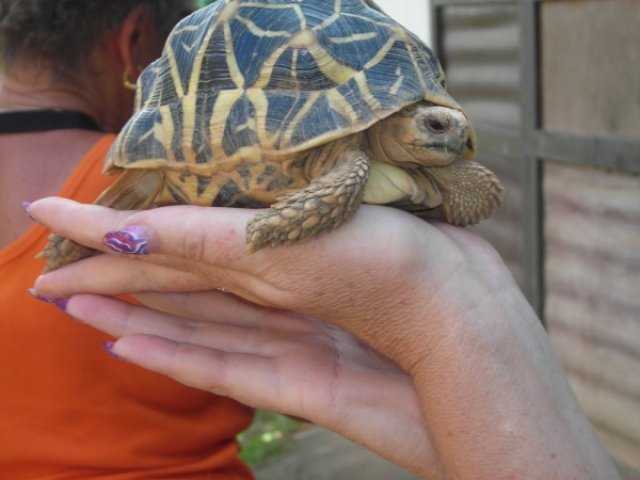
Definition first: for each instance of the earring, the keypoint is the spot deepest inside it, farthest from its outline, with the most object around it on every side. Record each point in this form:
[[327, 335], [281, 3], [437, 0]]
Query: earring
[[126, 82]]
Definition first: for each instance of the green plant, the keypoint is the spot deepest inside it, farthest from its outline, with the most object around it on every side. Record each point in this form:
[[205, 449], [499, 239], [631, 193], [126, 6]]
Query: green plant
[[268, 435]]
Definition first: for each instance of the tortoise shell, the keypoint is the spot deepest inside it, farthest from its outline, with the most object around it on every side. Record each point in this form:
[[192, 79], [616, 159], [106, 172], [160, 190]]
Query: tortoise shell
[[256, 80], [308, 107]]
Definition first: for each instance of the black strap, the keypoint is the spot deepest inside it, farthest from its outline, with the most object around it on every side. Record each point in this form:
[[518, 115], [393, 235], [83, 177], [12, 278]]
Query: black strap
[[25, 121]]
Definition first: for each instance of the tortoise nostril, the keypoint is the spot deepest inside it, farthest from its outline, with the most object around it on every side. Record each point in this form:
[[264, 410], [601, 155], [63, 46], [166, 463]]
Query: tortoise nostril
[[437, 123]]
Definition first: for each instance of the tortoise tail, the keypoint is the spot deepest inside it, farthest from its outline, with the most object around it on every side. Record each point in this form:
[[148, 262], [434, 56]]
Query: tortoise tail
[[133, 190]]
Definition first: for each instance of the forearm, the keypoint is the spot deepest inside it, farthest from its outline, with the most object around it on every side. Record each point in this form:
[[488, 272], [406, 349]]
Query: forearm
[[498, 403]]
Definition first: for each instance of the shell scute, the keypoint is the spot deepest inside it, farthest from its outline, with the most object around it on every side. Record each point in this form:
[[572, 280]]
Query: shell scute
[[274, 20], [253, 52], [144, 139], [354, 41], [173, 117], [355, 99], [307, 70], [280, 113], [227, 194], [184, 50], [214, 59], [240, 127], [283, 74], [320, 116], [395, 77], [200, 143]]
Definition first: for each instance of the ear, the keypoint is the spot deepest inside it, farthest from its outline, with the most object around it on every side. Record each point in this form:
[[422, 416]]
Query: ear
[[137, 40]]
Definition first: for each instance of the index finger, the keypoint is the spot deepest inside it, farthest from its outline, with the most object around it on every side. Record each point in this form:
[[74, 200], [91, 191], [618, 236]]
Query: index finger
[[220, 234]]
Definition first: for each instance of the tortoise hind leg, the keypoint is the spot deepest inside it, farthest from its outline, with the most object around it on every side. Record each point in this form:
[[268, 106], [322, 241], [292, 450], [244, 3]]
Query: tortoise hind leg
[[60, 251], [133, 190], [326, 203]]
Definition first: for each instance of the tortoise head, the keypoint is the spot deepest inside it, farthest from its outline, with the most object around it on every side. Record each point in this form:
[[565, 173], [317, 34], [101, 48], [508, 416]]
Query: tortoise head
[[429, 131], [423, 134]]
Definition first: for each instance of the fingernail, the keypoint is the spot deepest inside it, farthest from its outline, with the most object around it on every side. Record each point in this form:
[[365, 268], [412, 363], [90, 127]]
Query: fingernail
[[108, 347], [26, 206], [130, 241], [42, 298], [61, 303]]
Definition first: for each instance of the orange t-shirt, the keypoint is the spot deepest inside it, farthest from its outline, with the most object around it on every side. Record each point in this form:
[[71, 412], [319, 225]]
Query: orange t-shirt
[[69, 411]]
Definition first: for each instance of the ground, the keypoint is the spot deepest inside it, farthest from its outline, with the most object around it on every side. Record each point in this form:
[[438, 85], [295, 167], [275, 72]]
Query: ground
[[317, 454]]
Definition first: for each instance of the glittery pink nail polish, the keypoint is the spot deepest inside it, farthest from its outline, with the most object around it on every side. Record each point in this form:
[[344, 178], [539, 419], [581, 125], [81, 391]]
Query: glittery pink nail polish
[[130, 241]]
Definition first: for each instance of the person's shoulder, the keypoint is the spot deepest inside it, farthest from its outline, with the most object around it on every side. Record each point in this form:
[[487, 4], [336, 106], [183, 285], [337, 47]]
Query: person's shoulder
[[86, 181]]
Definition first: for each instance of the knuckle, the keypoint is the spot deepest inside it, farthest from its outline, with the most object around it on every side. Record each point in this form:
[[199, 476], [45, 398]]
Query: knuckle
[[194, 245]]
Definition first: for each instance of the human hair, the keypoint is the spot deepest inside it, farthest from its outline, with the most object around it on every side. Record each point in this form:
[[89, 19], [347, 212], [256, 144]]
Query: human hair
[[62, 33]]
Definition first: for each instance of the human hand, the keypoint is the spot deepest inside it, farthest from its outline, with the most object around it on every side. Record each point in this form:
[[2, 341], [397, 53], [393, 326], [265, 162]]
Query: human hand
[[435, 299], [271, 359], [375, 276]]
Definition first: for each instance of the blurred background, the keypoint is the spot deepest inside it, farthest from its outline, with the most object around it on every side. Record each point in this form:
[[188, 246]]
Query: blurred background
[[553, 88]]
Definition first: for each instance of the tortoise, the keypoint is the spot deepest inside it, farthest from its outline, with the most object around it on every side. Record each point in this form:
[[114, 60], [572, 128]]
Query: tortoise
[[307, 107]]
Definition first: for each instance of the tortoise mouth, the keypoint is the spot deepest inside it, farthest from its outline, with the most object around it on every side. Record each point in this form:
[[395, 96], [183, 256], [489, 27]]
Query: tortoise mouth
[[441, 153], [470, 145], [443, 147], [465, 149]]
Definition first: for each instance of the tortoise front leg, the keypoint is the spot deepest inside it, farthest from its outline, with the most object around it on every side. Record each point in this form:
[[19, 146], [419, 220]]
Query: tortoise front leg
[[471, 192], [326, 203]]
